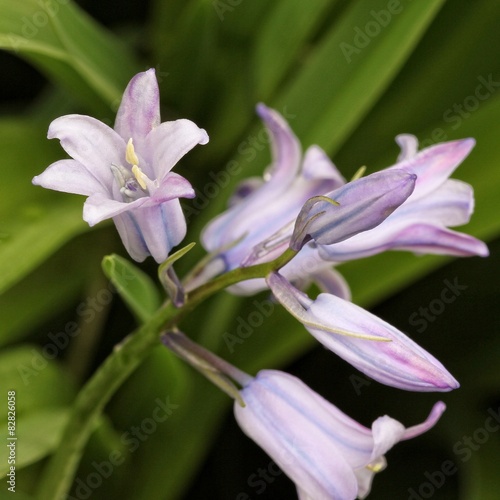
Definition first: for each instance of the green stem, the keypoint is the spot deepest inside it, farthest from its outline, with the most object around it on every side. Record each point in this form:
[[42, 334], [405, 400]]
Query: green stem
[[119, 365]]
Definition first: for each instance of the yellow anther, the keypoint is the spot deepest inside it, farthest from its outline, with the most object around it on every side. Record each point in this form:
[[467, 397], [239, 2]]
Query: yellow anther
[[377, 465], [130, 155], [140, 176]]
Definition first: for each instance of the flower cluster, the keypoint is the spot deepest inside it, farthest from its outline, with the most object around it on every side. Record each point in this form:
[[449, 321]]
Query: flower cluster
[[297, 224]]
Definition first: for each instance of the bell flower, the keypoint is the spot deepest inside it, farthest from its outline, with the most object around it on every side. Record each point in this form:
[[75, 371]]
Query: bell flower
[[126, 171], [259, 225], [261, 208], [327, 454], [421, 223], [362, 339]]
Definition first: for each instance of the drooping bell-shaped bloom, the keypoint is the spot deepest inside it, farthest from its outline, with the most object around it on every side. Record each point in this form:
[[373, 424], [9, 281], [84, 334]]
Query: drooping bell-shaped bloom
[[261, 208], [126, 171], [327, 454], [365, 341], [421, 223], [259, 225]]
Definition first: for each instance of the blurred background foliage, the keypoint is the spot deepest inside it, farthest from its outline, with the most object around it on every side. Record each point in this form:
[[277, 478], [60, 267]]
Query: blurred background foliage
[[349, 76]]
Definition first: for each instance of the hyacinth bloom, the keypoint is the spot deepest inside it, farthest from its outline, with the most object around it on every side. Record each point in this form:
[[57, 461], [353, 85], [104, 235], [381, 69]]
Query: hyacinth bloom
[[327, 454], [421, 223], [260, 222], [262, 207], [365, 341], [126, 171]]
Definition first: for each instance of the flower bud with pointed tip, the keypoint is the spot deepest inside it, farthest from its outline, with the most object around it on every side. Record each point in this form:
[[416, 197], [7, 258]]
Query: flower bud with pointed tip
[[390, 357], [357, 206]]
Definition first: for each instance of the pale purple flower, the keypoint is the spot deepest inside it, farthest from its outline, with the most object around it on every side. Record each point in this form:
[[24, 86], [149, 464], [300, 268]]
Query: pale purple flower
[[421, 223], [259, 224], [126, 171], [262, 207], [365, 341], [327, 454]]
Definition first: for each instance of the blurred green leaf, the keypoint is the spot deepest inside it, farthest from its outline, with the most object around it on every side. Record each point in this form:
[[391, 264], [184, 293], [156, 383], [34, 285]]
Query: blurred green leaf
[[482, 481], [349, 70], [135, 287], [162, 389], [42, 395], [38, 435], [53, 293], [24, 305], [443, 71], [37, 379], [277, 47], [187, 56], [35, 222], [68, 46]]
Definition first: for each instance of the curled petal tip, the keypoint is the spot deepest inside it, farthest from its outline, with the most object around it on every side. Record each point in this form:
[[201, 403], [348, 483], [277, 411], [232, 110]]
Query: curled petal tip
[[203, 137]]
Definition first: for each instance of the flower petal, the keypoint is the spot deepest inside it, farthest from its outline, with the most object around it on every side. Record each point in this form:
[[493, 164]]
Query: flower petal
[[409, 146], [91, 143], [295, 427], [273, 197], [418, 227], [99, 207], [435, 164], [429, 239], [408, 235], [434, 416], [399, 363], [285, 147], [162, 227], [173, 186], [451, 204], [69, 176], [131, 236], [298, 304], [139, 111], [169, 142], [153, 230], [329, 280], [317, 164], [276, 201], [386, 433]]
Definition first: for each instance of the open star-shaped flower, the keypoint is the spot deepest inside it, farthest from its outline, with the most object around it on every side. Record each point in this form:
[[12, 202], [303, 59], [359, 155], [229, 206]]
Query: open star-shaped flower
[[126, 171]]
